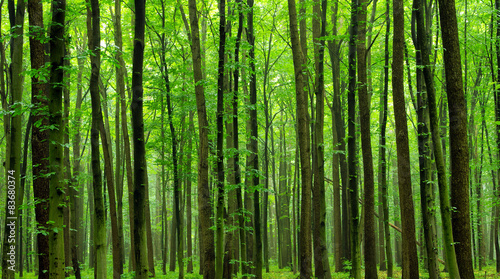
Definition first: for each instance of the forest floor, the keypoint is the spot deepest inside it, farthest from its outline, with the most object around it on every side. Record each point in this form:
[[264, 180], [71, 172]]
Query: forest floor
[[275, 273]]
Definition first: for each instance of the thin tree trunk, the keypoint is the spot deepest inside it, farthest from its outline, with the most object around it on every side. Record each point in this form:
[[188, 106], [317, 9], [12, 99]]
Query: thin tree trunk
[[99, 240], [383, 161], [426, 193], [120, 88], [352, 153], [220, 208]]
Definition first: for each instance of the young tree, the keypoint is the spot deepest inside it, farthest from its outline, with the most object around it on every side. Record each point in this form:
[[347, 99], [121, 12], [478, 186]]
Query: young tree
[[410, 260]]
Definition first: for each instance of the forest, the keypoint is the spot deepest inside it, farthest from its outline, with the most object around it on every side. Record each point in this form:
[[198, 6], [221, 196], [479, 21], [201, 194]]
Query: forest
[[240, 139]]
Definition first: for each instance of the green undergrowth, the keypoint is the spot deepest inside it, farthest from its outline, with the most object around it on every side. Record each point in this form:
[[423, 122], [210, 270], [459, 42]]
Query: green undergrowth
[[274, 273]]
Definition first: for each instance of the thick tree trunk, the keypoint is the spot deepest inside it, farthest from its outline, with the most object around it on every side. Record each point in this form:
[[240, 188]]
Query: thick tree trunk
[[56, 194], [321, 264], [204, 208], [459, 152], [140, 180], [410, 260], [39, 136]]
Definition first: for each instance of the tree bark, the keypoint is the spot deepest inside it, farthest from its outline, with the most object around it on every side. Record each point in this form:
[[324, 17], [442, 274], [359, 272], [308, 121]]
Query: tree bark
[[39, 136], [204, 208], [99, 240], [220, 207], [383, 161], [410, 260], [140, 180], [351, 145], [305, 248], [56, 194], [459, 152], [368, 177]]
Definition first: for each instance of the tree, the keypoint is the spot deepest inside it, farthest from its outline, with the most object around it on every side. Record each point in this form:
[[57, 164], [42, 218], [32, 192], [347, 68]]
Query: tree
[[459, 152], [206, 234], [364, 118], [141, 259], [39, 135], [321, 264], [220, 208], [100, 221], [56, 194], [304, 146], [410, 260], [351, 145]]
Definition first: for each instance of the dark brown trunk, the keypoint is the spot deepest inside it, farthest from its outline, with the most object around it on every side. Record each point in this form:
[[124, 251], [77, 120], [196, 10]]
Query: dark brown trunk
[[459, 152], [204, 208], [39, 136], [139, 233], [410, 260]]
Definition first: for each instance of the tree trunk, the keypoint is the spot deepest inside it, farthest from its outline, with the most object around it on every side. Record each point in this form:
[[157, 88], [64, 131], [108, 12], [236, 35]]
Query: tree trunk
[[188, 196], [304, 147], [139, 235], [382, 150], [237, 172], [459, 152], [426, 193], [219, 248], [39, 136], [368, 177], [99, 240], [338, 142], [13, 158], [254, 146], [56, 194], [352, 153], [204, 208], [321, 264], [120, 89], [410, 260]]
